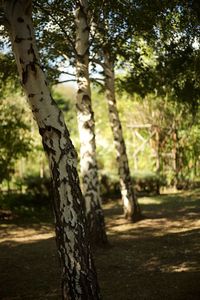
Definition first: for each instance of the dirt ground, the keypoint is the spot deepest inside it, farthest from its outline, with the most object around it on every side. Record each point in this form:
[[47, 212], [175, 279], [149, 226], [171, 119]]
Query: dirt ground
[[157, 258]]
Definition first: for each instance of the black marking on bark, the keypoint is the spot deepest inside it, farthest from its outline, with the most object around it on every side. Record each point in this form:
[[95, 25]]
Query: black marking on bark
[[52, 100], [18, 39], [81, 74], [20, 20], [31, 95], [48, 128], [31, 50], [60, 118], [47, 148], [87, 28], [64, 180], [33, 68], [88, 124], [25, 72], [25, 75], [29, 30], [41, 99], [21, 61], [73, 153], [79, 107], [53, 129], [86, 98], [51, 142], [35, 110], [41, 131]]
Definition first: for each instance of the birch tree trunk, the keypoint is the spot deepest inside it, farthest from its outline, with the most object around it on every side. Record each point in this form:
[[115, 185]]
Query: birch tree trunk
[[131, 207], [175, 157], [86, 124], [158, 156], [79, 279]]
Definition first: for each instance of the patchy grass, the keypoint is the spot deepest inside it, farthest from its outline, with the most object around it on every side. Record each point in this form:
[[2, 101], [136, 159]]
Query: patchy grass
[[154, 259]]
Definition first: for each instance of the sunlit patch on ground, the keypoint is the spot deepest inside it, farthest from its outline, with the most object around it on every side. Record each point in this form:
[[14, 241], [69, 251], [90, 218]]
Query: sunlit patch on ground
[[14, 233], [159, 227], [182, 267], [156, 258]]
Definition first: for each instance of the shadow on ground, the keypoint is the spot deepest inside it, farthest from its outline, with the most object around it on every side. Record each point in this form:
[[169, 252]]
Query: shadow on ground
[[29, 270], [154, 259]]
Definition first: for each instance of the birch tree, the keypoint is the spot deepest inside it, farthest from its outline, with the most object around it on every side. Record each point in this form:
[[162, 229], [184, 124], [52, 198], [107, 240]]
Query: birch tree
[[111, 32], [130, 204], [78, 54], [86, 124], [79, 279]]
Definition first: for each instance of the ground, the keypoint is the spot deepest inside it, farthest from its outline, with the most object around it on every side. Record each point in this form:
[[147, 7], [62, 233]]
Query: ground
[[154, 259]]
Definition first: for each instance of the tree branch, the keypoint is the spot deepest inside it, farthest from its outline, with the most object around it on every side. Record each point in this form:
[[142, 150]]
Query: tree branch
[[57, 23]]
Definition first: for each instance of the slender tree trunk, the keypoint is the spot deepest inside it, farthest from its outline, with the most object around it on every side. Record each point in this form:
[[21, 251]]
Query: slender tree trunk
[[158, 158], [86, 124], [131, 208], [79, 279], [175, 156]]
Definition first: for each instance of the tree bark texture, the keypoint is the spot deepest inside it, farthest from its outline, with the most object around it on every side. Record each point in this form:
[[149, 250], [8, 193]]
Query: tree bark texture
[[175, 157], [131, 206], [79, 279], [86, 124]]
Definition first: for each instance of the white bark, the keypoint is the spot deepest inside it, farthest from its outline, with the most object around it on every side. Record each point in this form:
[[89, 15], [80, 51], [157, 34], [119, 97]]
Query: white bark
[[131, 207], [86, 124], [79, 277]]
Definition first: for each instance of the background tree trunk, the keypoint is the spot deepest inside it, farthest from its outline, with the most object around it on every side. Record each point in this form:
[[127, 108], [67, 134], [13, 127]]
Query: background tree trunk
[[131, 207], [79, 279], [175, 156], [86, 124]]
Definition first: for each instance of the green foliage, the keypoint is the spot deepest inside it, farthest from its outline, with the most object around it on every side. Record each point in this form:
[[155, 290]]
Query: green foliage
[[158, 64], [39, 188], [144, 183], [65, 98], [9, 80], [109, 186], [15, 141], [148, 183], [104, 137], [25, 205]]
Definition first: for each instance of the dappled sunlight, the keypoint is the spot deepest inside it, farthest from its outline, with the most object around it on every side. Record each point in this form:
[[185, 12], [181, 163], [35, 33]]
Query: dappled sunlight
[[149, 200], [182, 267], [154, 227], [13, 233], [161, 250], [163, 244], [112, 204], [155, 264], [165, 214]]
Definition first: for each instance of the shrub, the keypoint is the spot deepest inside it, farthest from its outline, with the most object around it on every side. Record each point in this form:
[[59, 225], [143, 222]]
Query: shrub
[[109, 186], [148, 183], [38, 187]]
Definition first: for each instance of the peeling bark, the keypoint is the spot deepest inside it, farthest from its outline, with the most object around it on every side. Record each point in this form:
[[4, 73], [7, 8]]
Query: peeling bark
[[79, 279], [86, 124], [130, 204]]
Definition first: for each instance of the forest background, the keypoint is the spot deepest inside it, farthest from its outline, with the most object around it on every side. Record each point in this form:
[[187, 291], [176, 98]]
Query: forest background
[[157, 93], [149, 62]]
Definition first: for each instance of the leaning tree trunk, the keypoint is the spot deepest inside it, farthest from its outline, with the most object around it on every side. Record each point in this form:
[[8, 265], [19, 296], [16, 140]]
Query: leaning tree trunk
[[79, 279], [131, 207], [86, 124]]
